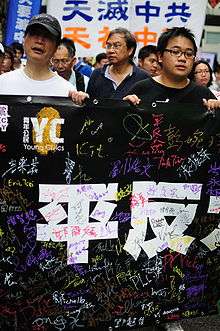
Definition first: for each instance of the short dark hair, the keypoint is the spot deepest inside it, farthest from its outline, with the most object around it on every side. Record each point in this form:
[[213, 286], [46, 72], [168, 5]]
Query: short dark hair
[[146, 51], [70, 46], [99, 57], [175, 32], [17, 46], [9, 51], [129, 39], [195, 64]]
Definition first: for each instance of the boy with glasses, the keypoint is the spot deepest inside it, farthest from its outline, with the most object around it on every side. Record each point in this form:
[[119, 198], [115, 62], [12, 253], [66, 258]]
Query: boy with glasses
[[176, 52]]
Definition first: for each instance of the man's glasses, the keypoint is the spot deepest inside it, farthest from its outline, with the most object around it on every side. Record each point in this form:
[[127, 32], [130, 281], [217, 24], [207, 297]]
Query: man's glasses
[[60, 61], [115, 46], [189, 54]]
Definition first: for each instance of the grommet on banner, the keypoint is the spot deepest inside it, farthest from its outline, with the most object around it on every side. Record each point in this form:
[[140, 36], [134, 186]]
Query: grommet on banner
[[154, 104], [29, 99], [95, 101]]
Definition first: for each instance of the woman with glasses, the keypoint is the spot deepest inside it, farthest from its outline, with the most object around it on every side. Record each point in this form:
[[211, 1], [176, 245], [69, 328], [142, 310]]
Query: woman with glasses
[[202, 75], [120, 74], [176, 52]]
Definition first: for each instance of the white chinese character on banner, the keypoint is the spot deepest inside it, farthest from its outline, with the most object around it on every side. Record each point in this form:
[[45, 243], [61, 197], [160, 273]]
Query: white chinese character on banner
[[24, 11], [78, 230], [21, 23], [149, 212]]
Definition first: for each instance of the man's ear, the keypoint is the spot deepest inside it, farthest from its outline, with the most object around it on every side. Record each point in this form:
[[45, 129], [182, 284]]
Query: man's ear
[[73, 61]]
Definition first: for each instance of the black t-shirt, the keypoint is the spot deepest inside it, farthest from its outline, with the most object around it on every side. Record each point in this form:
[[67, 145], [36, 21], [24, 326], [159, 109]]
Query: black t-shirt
[[150, 91]]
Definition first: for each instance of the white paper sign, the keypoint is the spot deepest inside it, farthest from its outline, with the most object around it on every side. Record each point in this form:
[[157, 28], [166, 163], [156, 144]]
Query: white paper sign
[[88, 22]]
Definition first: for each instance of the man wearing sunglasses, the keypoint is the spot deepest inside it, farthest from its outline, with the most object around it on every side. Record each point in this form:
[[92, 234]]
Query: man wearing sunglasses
[[176, 52]]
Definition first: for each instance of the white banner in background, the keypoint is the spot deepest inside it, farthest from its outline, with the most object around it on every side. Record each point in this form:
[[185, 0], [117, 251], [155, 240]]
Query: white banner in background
[[88, 22]]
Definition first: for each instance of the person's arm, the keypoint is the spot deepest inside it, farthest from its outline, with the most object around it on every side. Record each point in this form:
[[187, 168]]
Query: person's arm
[[210, 101], [78, 97], [132, 98], [211, 104]]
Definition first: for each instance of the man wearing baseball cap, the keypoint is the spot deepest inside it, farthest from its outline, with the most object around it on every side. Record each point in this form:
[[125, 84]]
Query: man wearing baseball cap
[[41, 38]]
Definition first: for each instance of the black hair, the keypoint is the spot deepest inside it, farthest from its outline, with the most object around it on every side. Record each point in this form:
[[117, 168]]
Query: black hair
[[175, 32], [99, 57], [129, 39], [70, 46], [146, 51], [17, 46], [195, 64], [9, 51]]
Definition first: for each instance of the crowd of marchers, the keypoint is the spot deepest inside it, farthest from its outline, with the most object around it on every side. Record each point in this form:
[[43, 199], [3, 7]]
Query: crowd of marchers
[[47, 65], [168, 72]]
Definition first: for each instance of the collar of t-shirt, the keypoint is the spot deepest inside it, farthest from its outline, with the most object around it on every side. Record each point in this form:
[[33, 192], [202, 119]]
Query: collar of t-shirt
[[107, 75]]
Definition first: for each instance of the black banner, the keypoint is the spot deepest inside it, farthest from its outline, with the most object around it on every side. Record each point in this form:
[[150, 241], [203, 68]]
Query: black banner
[[109, 214]]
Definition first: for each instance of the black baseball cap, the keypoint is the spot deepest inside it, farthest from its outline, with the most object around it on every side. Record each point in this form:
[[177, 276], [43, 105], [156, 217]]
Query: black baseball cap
[[47, 21]]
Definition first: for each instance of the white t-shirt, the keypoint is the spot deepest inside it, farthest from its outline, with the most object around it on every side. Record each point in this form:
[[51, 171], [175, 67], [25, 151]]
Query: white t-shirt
[[18, 83]]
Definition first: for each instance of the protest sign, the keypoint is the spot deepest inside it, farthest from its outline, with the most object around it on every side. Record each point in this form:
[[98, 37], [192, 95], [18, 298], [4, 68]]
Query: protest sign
[[88, 22], [18, 15], [109, 214]]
